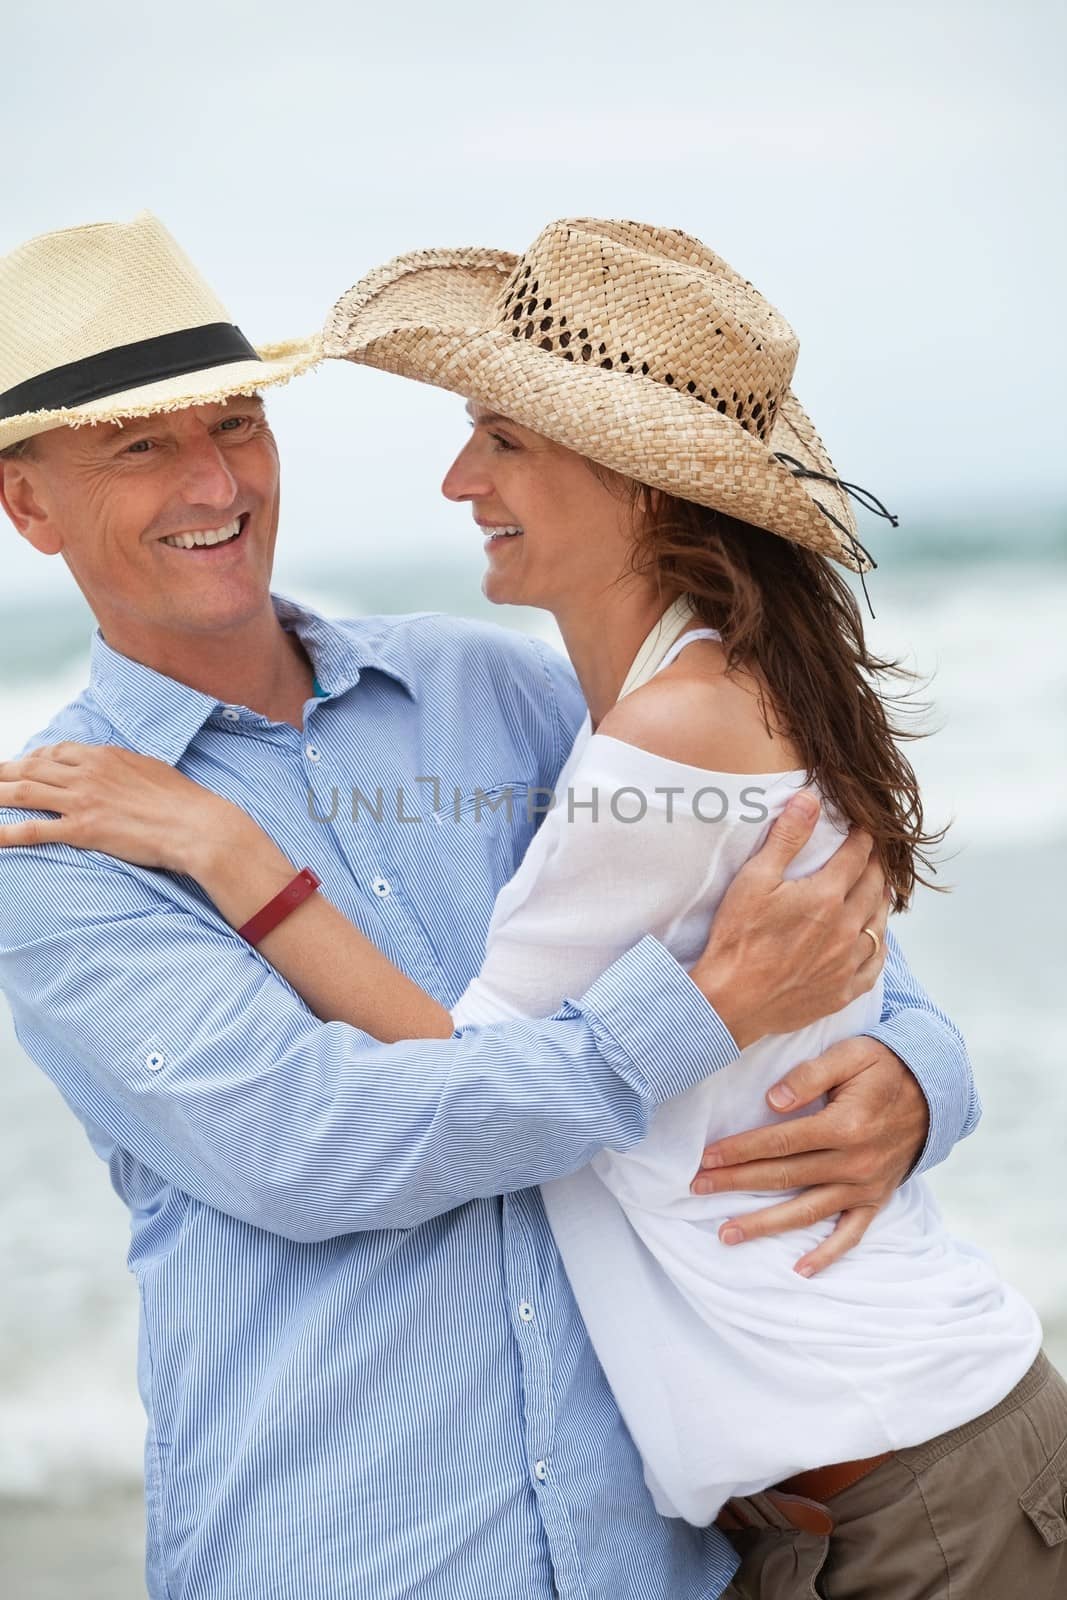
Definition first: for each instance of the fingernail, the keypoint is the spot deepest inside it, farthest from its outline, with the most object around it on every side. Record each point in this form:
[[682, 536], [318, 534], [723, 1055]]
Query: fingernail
[[701, 1186], [730, 1234], [782, 1097], [711, 1160], [804, 804], [804, 1272]]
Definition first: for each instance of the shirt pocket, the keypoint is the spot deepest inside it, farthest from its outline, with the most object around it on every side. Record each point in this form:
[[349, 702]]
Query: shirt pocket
[[1045, 1502], [508, 798], [491, 824], [467, 849]]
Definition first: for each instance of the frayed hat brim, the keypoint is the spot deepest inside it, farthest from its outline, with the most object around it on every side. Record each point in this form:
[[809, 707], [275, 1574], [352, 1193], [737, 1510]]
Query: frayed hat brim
[[276, 365], [434, 316]]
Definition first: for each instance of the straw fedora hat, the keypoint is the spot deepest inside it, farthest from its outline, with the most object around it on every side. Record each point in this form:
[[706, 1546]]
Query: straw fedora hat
[[633, 345], [113, 320]]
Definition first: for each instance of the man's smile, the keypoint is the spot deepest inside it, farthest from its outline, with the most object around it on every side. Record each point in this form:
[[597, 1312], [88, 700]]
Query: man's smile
[[206, 541]]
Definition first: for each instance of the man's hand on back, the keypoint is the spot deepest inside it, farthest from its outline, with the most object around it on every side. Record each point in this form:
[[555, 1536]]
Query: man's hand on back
[[847, 1159], [783, 953]]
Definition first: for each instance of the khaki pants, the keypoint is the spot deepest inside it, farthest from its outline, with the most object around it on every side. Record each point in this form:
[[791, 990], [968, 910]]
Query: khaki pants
[[976, 1514]]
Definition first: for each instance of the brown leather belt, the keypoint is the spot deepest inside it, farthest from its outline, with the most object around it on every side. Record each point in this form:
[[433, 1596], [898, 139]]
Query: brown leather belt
[[801, 1500], [822, 1483]]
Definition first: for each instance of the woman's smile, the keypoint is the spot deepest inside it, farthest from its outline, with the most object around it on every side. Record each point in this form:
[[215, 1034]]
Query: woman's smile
[[498, 533]]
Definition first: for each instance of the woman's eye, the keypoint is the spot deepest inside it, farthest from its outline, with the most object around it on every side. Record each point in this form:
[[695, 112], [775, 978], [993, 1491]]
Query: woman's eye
[[504, 444]]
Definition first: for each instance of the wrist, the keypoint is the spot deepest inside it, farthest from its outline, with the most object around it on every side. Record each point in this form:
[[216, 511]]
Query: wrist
[[727, 996], [211, 839], [237, 863]]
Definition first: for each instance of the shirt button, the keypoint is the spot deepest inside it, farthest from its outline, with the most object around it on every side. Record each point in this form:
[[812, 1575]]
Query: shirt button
[[312, 752], [231, 713], [154, 1060], [382, 888], [526, 1311], [540, 1471]]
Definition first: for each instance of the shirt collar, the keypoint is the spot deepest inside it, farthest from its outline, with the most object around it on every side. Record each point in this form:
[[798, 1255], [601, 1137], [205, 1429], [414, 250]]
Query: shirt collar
[[159, 716]]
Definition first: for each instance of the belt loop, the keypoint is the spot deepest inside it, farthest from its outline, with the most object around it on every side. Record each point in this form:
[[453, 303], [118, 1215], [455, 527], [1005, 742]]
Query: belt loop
[[776, 1511]]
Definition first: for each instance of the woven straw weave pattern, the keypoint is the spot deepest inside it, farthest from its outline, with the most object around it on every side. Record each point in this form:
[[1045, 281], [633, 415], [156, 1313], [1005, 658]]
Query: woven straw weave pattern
[[635, 346], [646, 314], [81, 291]]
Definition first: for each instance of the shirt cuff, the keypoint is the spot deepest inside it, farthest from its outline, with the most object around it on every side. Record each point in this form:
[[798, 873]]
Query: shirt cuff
[[950, 1093], [654, 1026]]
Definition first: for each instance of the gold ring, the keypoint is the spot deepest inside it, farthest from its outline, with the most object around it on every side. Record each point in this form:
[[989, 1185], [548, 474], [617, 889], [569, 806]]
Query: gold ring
[[873, 937]]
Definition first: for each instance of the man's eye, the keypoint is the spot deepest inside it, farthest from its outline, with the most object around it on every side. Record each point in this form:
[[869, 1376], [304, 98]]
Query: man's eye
[[231, 424], [139, 447], [504, 444]]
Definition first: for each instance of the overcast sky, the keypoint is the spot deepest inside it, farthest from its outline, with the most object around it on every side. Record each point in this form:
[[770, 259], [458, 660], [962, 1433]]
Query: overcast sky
[[891, 176]]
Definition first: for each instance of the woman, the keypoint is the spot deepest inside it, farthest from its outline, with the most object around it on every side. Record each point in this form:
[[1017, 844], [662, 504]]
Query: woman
[[642, 470]]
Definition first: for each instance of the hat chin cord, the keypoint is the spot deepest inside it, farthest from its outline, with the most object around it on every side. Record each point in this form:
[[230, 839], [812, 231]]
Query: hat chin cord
[[864, 497]]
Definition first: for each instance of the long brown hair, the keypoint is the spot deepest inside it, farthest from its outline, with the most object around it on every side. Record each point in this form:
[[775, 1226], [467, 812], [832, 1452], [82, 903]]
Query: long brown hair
[[787, 615]]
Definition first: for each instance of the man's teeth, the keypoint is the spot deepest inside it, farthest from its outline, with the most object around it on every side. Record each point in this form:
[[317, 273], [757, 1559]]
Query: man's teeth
[[186, 541], [504, 533]]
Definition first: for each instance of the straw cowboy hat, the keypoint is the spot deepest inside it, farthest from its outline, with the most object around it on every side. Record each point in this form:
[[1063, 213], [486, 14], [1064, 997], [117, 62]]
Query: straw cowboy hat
[[113, 320], [633, 345]]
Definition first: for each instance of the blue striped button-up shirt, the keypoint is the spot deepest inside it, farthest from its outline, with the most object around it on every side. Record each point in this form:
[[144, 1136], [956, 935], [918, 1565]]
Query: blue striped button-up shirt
[[362, 1366]]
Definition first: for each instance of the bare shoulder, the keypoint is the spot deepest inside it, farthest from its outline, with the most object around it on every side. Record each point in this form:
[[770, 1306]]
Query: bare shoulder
[[697, 714]]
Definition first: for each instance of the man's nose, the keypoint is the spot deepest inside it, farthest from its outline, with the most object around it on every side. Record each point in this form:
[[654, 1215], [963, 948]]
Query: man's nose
[[207, 479], [466, 478]]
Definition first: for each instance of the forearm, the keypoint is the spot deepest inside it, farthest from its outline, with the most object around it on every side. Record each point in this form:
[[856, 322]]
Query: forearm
[[185, 1049], [339, 973]]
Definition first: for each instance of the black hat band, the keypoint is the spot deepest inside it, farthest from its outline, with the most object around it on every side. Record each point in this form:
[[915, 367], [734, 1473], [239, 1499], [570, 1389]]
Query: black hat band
[[128, 366]]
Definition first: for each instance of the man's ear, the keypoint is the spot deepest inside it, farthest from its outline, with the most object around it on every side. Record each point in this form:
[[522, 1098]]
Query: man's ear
[[21, 499]]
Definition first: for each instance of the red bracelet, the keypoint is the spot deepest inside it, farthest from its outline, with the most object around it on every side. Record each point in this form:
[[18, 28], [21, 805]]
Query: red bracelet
[[294, 894]]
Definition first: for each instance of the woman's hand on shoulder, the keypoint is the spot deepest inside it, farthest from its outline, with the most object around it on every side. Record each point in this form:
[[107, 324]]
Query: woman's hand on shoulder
[[128, 805]]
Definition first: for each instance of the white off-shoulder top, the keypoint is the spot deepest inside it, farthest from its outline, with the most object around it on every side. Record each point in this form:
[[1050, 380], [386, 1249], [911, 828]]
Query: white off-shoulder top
[[730, 1370]]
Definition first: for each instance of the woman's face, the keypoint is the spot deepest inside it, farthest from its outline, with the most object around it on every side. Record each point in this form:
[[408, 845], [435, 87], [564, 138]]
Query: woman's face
[[555, 533]]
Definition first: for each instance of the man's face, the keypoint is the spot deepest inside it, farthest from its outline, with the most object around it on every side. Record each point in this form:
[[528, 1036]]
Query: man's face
[[121, 503]]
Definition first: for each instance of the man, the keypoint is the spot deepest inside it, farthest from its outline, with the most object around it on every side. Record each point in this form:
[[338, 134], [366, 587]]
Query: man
[[363, 1369]]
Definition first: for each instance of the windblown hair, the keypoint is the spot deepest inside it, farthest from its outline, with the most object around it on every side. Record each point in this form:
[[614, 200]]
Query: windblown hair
[[785, 614]]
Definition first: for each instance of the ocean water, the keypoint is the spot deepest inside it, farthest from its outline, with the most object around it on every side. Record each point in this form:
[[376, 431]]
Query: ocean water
[[990, 631]]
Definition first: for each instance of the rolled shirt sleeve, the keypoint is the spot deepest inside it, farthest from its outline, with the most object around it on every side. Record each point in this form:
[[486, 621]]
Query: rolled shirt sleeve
[[933, 1049]]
